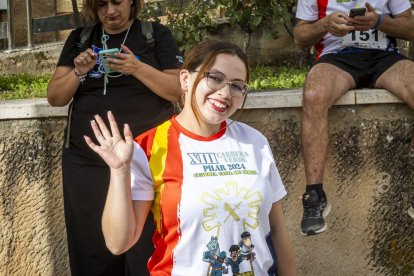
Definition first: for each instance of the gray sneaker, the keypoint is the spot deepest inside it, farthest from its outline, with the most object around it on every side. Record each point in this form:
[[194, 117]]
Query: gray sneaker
[[314, 212], [411, 210]]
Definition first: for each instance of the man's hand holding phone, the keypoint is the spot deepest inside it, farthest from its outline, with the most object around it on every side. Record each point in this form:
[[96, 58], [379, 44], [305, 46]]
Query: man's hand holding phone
[[337, 24], [363, 19]]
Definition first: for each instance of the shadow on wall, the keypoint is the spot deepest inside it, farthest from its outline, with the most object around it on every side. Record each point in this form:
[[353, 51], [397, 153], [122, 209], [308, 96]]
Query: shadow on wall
[[393, 237]]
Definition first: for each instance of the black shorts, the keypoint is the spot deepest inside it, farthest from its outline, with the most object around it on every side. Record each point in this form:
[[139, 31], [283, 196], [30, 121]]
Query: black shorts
[[365, 66]]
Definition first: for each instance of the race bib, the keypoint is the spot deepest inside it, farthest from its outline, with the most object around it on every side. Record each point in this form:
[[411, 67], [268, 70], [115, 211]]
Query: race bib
[[371, 39]]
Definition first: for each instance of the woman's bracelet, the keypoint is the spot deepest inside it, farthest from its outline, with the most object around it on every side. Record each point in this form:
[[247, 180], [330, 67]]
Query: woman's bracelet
[[378, 22], [80, 77]]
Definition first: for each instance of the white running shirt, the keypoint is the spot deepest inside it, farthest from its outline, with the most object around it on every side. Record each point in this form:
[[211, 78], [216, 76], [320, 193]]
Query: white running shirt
[[209, 194], [313, 10]]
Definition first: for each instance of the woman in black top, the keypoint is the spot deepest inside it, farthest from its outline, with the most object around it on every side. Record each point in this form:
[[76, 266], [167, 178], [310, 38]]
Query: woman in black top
[[139, 91]]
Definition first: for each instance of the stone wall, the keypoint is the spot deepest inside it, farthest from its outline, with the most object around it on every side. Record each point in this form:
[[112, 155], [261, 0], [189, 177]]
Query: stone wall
[[43, 57], [369, 182], [369, 176], [264, 49], [32, 231], [41, 60]]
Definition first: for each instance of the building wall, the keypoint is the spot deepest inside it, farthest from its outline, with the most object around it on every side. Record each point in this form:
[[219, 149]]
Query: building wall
[[3, 18], [40, 8], [263, 48]]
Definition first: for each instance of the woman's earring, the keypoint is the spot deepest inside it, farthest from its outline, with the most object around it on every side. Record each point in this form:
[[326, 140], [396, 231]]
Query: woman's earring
[[184, 89]]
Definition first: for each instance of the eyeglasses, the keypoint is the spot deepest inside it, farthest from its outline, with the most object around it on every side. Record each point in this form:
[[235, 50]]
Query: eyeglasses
[[216, 82]]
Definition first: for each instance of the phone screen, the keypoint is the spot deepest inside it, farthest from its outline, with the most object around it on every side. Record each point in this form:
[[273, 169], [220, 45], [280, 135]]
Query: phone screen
[[357, 12], [104, 55]]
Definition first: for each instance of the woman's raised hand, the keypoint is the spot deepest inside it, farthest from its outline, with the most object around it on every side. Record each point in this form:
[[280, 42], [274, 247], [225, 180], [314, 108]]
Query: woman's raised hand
[[115, 151]]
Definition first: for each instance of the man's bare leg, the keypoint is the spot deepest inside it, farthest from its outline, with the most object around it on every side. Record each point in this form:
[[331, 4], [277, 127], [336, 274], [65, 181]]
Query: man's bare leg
[[398, 79], [324, 85]]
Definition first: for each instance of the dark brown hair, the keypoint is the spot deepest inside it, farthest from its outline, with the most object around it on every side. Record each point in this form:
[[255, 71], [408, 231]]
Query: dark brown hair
[[90, 10], [204, 55]]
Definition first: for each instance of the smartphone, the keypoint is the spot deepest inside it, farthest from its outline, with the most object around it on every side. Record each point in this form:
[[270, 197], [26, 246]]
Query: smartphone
[[357, 12], [104, 55]]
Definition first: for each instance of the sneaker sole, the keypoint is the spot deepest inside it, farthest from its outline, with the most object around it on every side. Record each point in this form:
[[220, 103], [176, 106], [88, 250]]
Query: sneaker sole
[[411, 212], [327, 210], [312, 233], [325, 213]]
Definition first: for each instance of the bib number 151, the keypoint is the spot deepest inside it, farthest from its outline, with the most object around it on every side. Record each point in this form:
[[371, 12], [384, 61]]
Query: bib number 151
[[372, 39], [365, 36]]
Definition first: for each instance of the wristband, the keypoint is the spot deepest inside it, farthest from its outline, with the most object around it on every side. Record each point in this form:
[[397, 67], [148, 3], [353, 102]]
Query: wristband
[[80, 77], [378, 22]]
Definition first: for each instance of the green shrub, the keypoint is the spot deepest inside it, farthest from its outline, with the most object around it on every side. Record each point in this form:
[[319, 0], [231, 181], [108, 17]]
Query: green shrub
[[265, 77], [27, 86], [23, 86]]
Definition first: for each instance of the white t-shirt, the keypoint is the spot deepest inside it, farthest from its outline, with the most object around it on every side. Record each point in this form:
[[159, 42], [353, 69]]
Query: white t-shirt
[[209, 194], [313, 10]]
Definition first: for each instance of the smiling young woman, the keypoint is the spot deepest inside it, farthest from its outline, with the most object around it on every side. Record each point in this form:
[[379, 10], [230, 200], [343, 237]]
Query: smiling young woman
[[211, 183], [214, 96]]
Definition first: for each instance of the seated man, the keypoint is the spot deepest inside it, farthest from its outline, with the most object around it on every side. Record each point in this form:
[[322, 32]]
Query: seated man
[[352, 53]]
